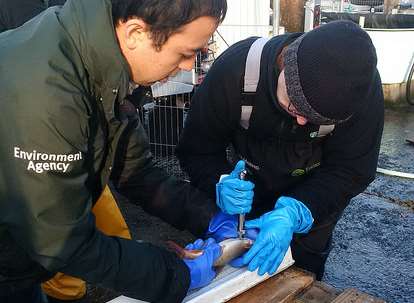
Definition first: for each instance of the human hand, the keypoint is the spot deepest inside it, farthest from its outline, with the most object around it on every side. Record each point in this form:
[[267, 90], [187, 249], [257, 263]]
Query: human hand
[[201, 268], [234, 195], [224, 226], [276, 231]]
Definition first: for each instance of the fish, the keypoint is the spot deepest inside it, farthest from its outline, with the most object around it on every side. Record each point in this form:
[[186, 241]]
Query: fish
[[230, 249]]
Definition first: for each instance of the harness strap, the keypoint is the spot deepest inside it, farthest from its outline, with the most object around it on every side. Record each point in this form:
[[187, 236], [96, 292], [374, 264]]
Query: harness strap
[[252, 70], [251, 77]]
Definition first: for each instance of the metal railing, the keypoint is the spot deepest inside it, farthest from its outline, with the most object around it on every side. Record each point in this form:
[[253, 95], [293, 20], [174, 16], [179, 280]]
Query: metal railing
[[163, 120]]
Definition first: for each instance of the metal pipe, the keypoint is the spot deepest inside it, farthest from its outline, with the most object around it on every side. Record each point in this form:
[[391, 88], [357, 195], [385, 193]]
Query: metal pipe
[[276, 17], [408, 85], [240, 229], [394, 173], [341, 6]]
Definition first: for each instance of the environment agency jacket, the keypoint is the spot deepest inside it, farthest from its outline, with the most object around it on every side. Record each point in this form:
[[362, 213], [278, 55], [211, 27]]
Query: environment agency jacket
[[282, 157], [65, 130]]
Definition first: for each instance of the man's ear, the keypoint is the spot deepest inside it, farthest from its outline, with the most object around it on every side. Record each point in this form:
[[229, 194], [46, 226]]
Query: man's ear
[[133, 32]]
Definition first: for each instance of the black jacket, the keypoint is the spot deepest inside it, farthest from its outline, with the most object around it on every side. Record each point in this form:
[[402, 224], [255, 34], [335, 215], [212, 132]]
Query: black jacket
[[65, 131], [282, 157]]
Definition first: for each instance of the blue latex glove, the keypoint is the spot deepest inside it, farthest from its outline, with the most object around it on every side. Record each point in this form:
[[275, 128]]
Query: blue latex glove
[[276, 231], [233, 195], [201, 268]]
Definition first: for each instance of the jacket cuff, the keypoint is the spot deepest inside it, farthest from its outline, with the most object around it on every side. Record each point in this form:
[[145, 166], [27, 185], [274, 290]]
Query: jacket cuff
[[179, 277]]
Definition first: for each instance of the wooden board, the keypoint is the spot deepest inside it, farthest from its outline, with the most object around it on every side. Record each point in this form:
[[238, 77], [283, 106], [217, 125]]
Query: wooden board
[[318, 292], [281, 288], [355, 296]]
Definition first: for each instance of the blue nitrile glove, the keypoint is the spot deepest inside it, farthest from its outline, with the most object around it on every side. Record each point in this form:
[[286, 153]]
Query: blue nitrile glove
[[201, 268], [233, 195], [224, 226], [276, 230]]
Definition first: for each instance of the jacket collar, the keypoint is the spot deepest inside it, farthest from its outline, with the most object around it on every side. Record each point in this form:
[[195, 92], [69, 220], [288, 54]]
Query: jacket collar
[[89, 23]]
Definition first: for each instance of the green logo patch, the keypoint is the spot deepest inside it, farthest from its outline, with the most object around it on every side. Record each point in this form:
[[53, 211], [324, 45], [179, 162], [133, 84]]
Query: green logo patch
[[298, 172]]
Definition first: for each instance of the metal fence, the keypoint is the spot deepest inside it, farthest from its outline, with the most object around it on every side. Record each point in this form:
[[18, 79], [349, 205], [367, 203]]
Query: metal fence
[[382, 14], [163, 120], [372, 6]]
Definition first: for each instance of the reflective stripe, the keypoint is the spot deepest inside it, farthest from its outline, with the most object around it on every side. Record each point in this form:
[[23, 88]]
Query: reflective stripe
[[252, 70], [324, 130], [246, 112], [251, 77]]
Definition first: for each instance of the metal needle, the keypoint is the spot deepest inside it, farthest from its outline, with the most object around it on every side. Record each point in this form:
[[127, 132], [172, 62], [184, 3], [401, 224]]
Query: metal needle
[[241, 230]]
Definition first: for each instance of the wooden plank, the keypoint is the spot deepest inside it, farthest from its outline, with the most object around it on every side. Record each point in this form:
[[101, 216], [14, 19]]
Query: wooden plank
[[352, 295], [281, 288], [318, 292]]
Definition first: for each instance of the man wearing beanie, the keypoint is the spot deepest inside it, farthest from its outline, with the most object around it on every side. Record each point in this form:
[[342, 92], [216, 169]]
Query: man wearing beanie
[[304, 113]]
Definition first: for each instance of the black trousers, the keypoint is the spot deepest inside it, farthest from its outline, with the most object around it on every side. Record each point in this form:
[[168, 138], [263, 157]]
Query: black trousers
[[310, 251]]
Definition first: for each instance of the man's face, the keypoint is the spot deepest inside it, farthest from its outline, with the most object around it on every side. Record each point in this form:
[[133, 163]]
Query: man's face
[[147, 64], [284, 101]]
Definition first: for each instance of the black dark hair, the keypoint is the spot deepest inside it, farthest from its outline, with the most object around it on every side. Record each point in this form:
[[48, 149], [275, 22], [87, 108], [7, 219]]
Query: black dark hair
[[165, 17]]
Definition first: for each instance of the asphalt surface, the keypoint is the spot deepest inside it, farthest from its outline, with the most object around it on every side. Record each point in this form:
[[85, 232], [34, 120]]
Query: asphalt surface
[[373, 245]]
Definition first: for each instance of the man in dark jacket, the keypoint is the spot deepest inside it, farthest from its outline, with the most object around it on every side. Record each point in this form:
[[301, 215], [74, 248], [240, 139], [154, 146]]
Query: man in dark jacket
[[66, 130], [306, 115]]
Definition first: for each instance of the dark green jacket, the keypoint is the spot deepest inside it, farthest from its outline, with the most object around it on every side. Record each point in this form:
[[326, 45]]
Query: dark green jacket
[[62, 85], [15, 13]]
